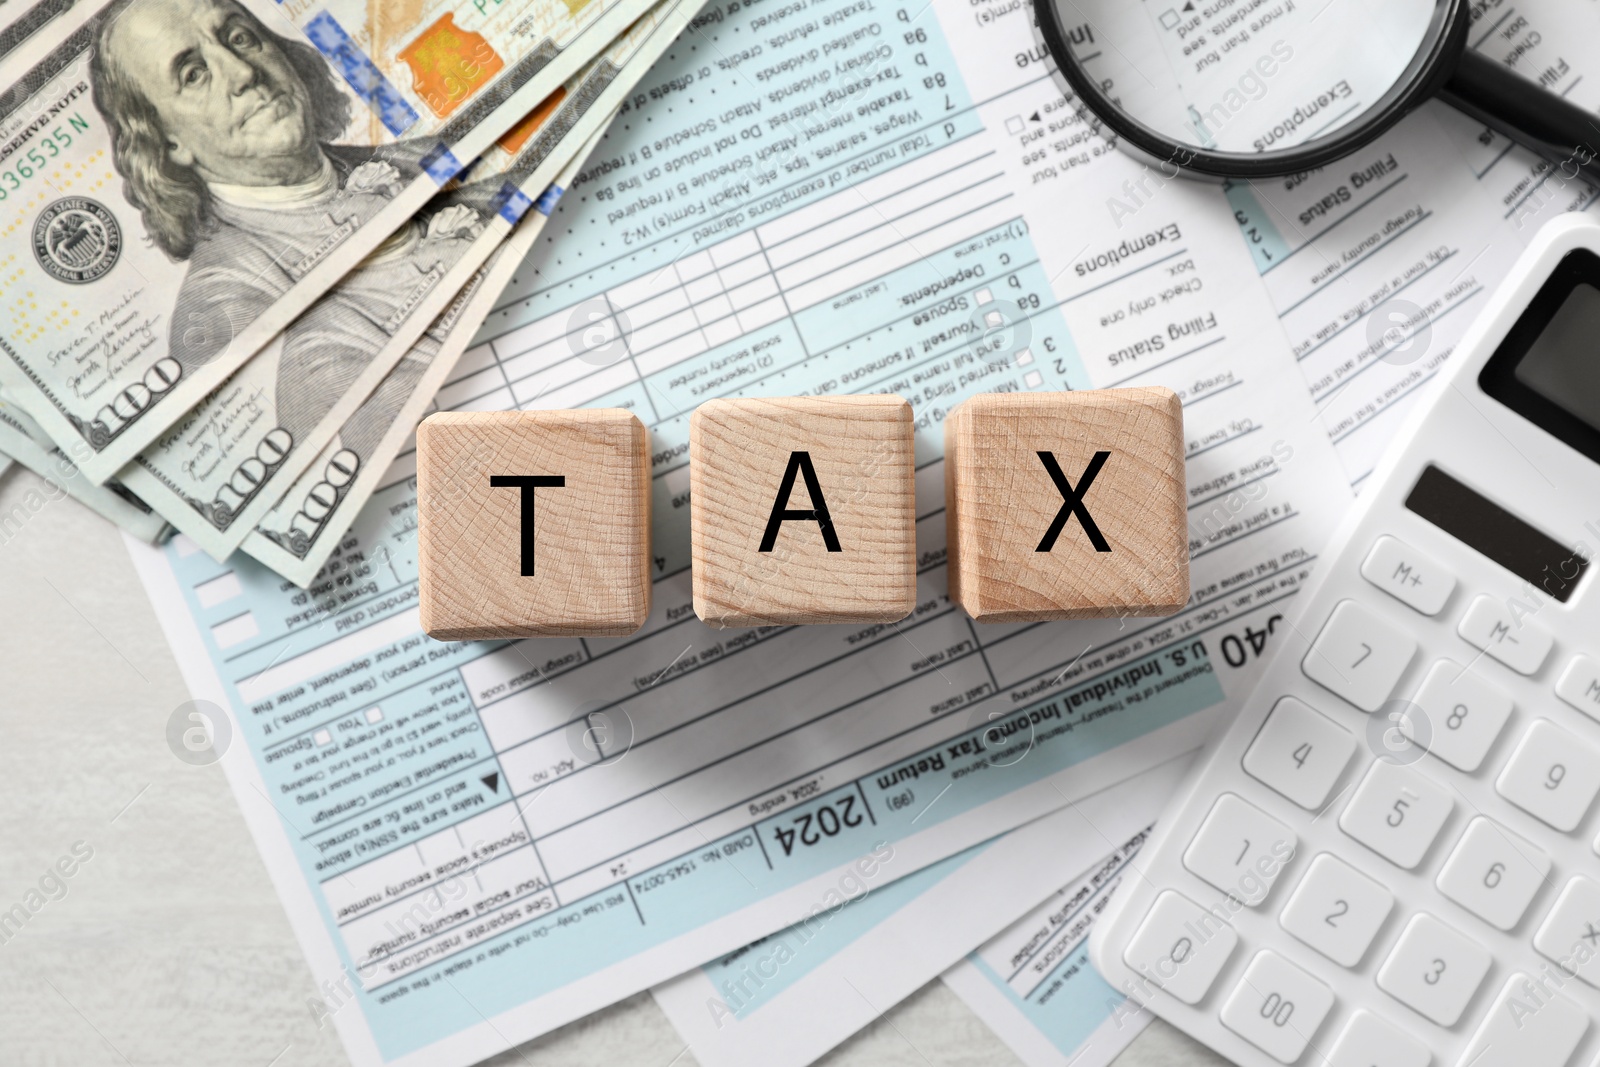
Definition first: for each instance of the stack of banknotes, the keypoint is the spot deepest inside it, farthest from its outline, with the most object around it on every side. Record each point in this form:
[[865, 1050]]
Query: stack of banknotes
[[242, 243]]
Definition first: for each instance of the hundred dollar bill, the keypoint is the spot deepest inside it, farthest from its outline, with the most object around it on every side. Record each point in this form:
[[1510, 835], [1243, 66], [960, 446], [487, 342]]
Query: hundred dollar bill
[[298, 535], [23, 440], [179, 179], [221, 467]]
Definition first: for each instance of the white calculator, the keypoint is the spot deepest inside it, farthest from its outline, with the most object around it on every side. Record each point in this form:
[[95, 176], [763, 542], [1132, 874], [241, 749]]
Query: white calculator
[[1390, 858]]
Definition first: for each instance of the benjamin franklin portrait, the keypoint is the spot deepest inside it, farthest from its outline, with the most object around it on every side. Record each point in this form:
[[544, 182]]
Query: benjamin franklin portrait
[[226, 136]]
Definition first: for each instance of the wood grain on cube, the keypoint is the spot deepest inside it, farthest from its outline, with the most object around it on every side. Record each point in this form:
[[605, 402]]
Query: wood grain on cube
[[1002, 500], [861, 451], [591, 550]]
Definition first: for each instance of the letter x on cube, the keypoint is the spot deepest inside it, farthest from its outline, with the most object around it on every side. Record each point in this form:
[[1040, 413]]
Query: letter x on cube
[[1067, 505]]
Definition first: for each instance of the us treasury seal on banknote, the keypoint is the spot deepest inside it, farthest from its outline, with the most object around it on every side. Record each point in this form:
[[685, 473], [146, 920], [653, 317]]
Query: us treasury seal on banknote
[[76, 239], [193, 174]]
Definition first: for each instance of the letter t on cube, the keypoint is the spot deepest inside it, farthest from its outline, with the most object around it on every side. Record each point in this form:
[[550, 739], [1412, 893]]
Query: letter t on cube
[[533, 523], [802, 510], [1067, 505]]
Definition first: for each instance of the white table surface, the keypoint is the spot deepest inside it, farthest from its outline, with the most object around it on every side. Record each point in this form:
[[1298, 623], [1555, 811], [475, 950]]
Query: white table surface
[[169, 946]]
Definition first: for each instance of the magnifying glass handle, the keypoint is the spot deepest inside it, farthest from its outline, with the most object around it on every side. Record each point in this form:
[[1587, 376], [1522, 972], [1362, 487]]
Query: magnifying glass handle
[[1533, 116]]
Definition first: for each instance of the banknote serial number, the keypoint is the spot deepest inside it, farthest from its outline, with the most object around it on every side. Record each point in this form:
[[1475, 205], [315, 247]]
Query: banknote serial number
[[53, 144]]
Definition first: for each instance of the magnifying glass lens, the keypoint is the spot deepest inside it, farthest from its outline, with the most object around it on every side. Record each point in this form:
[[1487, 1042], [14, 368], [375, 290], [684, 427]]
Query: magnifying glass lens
[[1243, 77]]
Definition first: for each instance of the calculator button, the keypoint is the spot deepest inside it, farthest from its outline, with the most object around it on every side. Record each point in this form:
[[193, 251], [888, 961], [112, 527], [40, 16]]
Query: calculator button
[[1181, 947], [1493, 873], [1397, 813], [1434, 970], [1489, 625], [1570, 934], [1300, 753], [1460, 717], [1580, 685], [1397, 569], [1277, 1007], [1512, 1035], [1336, 910], [1240, 849], [1368, 1041], [1359, 655], [1552, 776]]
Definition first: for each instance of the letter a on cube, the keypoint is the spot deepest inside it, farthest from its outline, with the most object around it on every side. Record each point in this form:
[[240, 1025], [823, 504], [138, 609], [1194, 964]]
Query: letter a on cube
[[1066, 505], [533, 523], [802, 510]]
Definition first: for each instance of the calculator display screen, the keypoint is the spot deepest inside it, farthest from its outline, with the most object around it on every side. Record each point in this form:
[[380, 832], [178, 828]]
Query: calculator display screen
[[1563, 363], [1548, 367], [1481, 524]]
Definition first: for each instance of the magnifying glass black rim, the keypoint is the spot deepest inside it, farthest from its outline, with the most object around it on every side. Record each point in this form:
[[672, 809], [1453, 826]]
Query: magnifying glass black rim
[[1427, 72]]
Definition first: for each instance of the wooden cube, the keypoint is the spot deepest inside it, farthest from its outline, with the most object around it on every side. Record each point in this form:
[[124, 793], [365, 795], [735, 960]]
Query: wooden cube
[[802, 510], [533, 523], [1067, 505]]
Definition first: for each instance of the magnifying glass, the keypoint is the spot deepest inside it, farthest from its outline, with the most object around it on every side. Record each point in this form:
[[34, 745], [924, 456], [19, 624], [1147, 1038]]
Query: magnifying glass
[[1261, 88]]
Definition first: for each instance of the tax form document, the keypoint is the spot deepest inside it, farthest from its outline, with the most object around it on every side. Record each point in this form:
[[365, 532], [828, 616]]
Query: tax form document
[[787, 999], [479, 842], [1551, 43], [1376, 265], [1034, 984], [1376, 262], [794, 995]]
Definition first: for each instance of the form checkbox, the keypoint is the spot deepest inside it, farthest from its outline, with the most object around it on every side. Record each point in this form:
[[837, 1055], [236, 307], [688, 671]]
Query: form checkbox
[[983, 296], [322, 737], [1025, 357], [721, 331], [218, 590], [230, 632], [994, 320], [374, 714], [1014, 124], [1169, 19], [1033, 379]]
